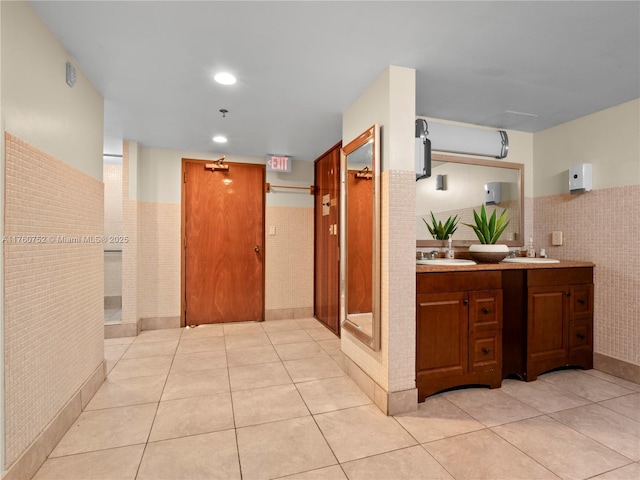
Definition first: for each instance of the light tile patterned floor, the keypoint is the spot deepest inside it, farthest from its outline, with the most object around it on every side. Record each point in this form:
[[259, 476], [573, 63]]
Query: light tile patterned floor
[[268, 400]]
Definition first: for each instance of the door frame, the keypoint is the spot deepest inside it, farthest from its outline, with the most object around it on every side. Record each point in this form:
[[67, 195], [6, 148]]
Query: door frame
[[183, 236]]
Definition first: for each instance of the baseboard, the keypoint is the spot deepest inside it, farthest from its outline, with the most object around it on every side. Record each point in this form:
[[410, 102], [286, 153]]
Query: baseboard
[[117, 330], [617, 368], [288, 313], [35, 455], [390, 403], [159, 323]]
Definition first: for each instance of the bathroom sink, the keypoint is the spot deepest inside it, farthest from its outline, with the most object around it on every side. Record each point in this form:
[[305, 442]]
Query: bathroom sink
[[530, 260], [446, 261]]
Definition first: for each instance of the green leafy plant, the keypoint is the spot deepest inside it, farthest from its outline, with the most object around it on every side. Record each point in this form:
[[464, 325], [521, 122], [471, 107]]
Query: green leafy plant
[[439, 231], [489, 231]]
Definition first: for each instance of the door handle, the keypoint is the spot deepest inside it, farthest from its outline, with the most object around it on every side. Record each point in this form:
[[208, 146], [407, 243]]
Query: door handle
[[256, 248]]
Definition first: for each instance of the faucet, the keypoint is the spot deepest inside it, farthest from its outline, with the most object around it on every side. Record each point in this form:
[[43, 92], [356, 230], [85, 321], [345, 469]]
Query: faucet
[[513, 254], [432, 255]]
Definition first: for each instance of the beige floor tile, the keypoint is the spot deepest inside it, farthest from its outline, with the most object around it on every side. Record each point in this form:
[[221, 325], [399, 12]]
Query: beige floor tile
[[289, 336], [200, 344], [151, 349], [327, 473], [611, 429], [280, 325], [195, 384], [490, 406], [115, 463], [585, 385], [193, 362], [629, 405], [282, 448], [164, 335], [317, 368], [360, 432], [483, 455], [198, 457], [331, 346], [119, 392], [249, 328], [613, 379], [270, 404], [238, 357], [309, 323], [115, 352], [628, 472], [332, 394], [192, 416], [409, 463], [322, 334], [207, 330], [142, 367], [437, 418], [258, 376], [118, 341], [559, 448], [542, 396], [245, 341], [108, 428], [296, 351]]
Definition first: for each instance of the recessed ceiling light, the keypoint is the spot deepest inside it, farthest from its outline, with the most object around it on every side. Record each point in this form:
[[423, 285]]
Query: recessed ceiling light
[[220, 139], [225, 78]]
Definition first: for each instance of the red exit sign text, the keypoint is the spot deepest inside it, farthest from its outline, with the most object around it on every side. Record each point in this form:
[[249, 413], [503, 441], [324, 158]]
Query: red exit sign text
[[278, 163]]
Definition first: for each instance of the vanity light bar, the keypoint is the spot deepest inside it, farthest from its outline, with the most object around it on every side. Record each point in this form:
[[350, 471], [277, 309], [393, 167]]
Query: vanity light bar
[[467, 140]]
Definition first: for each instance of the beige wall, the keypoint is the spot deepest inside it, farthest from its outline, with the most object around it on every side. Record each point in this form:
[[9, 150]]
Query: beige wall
[[390, 102], [53, 314], [601, 226]]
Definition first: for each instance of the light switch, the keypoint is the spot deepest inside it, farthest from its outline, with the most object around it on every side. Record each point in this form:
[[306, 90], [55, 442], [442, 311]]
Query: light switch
[[272, 230], [556, 238]]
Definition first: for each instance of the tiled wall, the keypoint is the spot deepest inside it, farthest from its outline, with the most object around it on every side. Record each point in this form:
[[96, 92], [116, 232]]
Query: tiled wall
[[159, 259], [53, 289], [601, 226], [130, 248], [112, 178]]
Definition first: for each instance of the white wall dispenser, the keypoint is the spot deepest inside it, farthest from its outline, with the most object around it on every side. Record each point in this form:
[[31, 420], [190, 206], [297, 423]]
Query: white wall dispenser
[[492, 193], [580, 178]]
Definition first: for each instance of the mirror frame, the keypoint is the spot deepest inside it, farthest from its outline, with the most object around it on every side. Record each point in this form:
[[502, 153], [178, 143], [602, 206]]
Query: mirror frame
[[486, 163], [372, 134]]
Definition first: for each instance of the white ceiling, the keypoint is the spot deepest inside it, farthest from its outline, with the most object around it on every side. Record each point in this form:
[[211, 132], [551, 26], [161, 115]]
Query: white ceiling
[[301, 64]]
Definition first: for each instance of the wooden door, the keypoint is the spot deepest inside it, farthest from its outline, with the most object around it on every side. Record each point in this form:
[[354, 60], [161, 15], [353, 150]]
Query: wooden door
[[359, 243], [223, 224], [327, 239], [548, 311]]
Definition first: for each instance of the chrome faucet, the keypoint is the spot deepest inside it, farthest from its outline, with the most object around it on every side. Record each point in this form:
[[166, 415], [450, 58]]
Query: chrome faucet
[[432, 255], [513, 254]]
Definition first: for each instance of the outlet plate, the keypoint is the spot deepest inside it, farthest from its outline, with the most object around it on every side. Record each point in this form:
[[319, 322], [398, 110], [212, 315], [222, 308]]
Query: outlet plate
[[556, 238]]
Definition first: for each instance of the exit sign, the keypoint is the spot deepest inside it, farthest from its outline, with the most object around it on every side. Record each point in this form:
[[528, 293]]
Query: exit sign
[[278, 163]]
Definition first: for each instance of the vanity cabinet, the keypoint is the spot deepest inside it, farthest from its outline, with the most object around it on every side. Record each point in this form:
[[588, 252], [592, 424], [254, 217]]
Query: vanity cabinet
[[548, 320], [458, 330]]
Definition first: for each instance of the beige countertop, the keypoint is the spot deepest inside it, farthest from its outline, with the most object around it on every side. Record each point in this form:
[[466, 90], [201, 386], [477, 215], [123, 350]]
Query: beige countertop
[[499, 266]]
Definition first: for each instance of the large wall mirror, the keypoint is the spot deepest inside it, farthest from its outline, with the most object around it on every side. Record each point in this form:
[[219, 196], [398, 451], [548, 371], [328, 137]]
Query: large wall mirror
[[458, 185], [360, 238]]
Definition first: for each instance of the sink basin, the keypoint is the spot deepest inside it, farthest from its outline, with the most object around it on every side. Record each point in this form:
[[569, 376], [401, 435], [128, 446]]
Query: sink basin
[[530, 260], [446, 261]]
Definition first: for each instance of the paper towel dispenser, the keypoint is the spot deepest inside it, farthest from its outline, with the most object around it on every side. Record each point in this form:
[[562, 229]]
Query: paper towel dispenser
[[423, 150]]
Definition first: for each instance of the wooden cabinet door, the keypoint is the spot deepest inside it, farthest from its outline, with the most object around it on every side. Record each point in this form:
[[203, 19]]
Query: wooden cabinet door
[[548, 329], [442, 333]]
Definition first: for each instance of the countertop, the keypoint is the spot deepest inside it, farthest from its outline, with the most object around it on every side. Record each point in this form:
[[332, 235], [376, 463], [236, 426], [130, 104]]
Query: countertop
[[499, 266]]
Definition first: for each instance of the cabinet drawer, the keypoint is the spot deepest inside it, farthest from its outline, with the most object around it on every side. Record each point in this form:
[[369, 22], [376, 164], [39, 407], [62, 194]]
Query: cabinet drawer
[[580, 335], [485, 310], [485, 352], [581, 301], [559, 276], [443, 282]]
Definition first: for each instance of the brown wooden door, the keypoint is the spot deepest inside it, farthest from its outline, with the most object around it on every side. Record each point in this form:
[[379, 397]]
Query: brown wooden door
[[223, 243], [327, 239], [548, 329], [359, 243]]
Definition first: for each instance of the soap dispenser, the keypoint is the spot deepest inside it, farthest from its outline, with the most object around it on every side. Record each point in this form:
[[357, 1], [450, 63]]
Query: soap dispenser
[[450, 252], [531, 252]]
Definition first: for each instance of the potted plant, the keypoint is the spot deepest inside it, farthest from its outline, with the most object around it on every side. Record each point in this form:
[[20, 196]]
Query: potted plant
[[488, 232], [439, 231]]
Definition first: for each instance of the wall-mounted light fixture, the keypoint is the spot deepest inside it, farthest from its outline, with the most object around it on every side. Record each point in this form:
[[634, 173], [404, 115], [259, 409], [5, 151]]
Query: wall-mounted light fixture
[[467, 140]]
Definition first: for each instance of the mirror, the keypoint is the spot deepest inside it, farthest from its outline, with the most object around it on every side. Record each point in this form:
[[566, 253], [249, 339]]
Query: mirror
[[360, 237], [457, 187]]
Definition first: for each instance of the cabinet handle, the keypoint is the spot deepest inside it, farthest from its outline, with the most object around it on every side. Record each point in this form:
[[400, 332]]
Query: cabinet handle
[[485, 351], [465, 302], [581, 336], [568, 294], [486, 310], [581, 302]]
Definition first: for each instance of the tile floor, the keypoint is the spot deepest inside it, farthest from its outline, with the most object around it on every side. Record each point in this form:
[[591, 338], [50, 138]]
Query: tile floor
[[268, 400]]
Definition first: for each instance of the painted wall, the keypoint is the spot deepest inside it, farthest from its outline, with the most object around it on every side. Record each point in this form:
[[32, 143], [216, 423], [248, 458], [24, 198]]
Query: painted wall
[[390, 102], [601, 226], [53, 309]]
